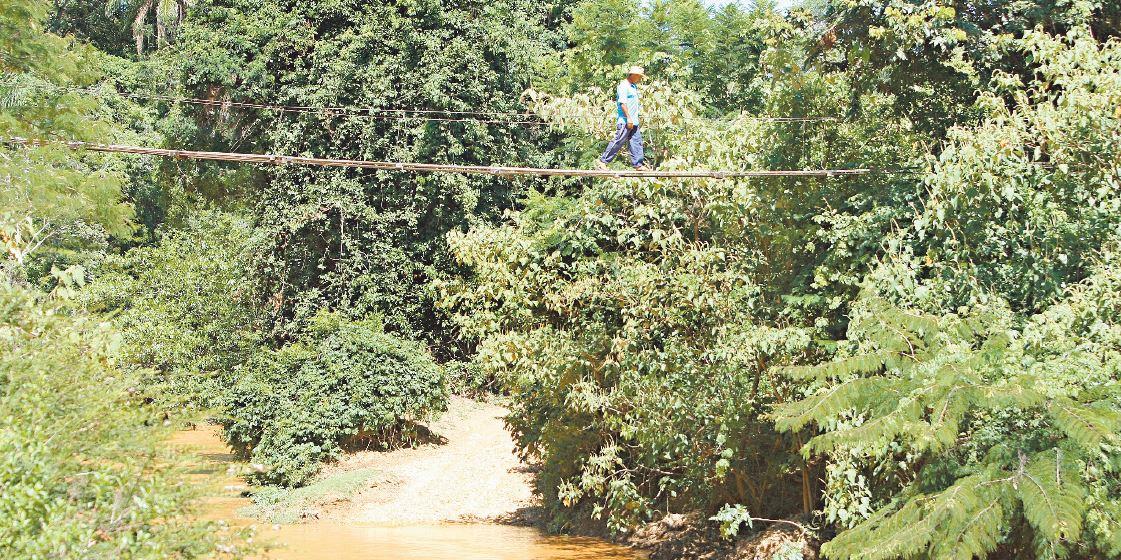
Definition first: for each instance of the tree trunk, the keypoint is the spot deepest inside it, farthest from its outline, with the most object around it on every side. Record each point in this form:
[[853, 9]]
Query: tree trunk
[[138, 25]]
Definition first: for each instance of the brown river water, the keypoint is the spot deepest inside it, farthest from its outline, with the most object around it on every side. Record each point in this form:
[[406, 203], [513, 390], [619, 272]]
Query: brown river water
[[340, 540]]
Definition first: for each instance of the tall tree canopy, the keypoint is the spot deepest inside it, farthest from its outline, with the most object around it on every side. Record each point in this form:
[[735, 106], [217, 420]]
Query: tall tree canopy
[[52, 204], [934, 56], [83, 466], [364, 242], [712, 51]]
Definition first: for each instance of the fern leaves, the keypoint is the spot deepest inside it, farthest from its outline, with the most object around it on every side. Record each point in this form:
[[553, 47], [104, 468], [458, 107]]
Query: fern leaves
[[1086, 425], [865, 363], [1052, 495], [857, 393], [960, 522], [969, 519], [927, 387]]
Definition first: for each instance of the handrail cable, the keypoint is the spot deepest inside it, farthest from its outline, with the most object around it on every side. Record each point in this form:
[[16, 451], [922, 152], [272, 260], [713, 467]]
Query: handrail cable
[[393, 113]]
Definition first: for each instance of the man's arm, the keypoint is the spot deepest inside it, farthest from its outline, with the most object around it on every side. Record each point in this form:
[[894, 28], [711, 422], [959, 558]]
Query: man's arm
[[621, 97]]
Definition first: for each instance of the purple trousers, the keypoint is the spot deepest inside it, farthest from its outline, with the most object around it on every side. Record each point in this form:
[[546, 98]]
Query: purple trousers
[[630, 137]]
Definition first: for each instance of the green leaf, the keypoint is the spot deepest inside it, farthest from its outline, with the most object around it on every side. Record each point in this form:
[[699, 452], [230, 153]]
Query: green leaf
[[1085, 424], [1053, 496]]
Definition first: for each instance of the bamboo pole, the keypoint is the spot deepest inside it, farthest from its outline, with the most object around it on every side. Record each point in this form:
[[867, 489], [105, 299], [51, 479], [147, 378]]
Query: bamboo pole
[[499, 170]]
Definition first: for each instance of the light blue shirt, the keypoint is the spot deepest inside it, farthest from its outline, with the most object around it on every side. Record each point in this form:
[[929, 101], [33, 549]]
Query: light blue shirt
[[627, 93]]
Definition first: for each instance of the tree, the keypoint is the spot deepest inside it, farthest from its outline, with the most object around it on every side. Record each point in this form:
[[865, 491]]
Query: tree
[[365, 242], [168, 16], [973, 410], [55, 207], [714, 52], [934, 56], [989, 455], [82, 462]]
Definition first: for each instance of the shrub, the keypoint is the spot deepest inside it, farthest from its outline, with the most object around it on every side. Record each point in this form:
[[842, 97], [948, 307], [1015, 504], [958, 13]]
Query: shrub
[[469, 379], [181, 306], [341, 383], [82, 473]]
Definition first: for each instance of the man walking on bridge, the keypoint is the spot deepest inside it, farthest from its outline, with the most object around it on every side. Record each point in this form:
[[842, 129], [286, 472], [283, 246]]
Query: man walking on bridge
[[626, 127]]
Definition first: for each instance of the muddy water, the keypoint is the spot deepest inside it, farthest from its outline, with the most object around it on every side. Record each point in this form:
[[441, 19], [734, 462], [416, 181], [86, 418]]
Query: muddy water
[[331, 540], [445, 542]]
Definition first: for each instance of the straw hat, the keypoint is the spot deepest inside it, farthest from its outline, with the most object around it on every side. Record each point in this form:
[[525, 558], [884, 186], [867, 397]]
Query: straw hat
[[636, 70]]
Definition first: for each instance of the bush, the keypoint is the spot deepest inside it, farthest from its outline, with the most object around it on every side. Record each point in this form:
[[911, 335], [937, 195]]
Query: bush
[[81, 466], [342, 383], [182, 308], [470, 379]]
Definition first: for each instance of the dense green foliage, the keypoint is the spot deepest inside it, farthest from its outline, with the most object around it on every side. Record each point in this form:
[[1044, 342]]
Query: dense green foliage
[[54, 209], [84, 472], [645, 328], [360, 241], [992, 425], [991, 455], [183, 307], [923, 362], [193, 334], [934, 56], [1020, 204], [340, 384], [82, 468], [715, 54], [634, 324]]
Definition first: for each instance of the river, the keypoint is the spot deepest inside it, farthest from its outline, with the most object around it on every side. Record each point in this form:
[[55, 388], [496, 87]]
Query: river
[[334, 540]]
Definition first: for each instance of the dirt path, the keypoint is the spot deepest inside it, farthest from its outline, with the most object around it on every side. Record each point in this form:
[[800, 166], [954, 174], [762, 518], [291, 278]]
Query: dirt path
[[472, 475], [389, 506]]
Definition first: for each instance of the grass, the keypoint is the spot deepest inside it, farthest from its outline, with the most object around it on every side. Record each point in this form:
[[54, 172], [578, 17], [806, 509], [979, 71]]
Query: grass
[[288, 505]]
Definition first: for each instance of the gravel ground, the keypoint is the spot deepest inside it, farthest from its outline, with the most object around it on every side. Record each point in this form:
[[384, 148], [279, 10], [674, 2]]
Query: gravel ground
[[471, 475]]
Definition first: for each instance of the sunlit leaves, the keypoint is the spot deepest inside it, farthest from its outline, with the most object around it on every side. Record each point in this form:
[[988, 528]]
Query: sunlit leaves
[[1021, 200], [83, 461], [619, 320], [1052, 494], [76, 200], [1087, 425], [944, 398]]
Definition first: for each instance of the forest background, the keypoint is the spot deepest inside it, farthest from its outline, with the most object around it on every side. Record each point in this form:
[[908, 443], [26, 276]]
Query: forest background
[[920, 362]]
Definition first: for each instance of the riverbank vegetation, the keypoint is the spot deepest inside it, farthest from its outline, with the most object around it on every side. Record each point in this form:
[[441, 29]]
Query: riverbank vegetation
[[917, 362], [83, 472]]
